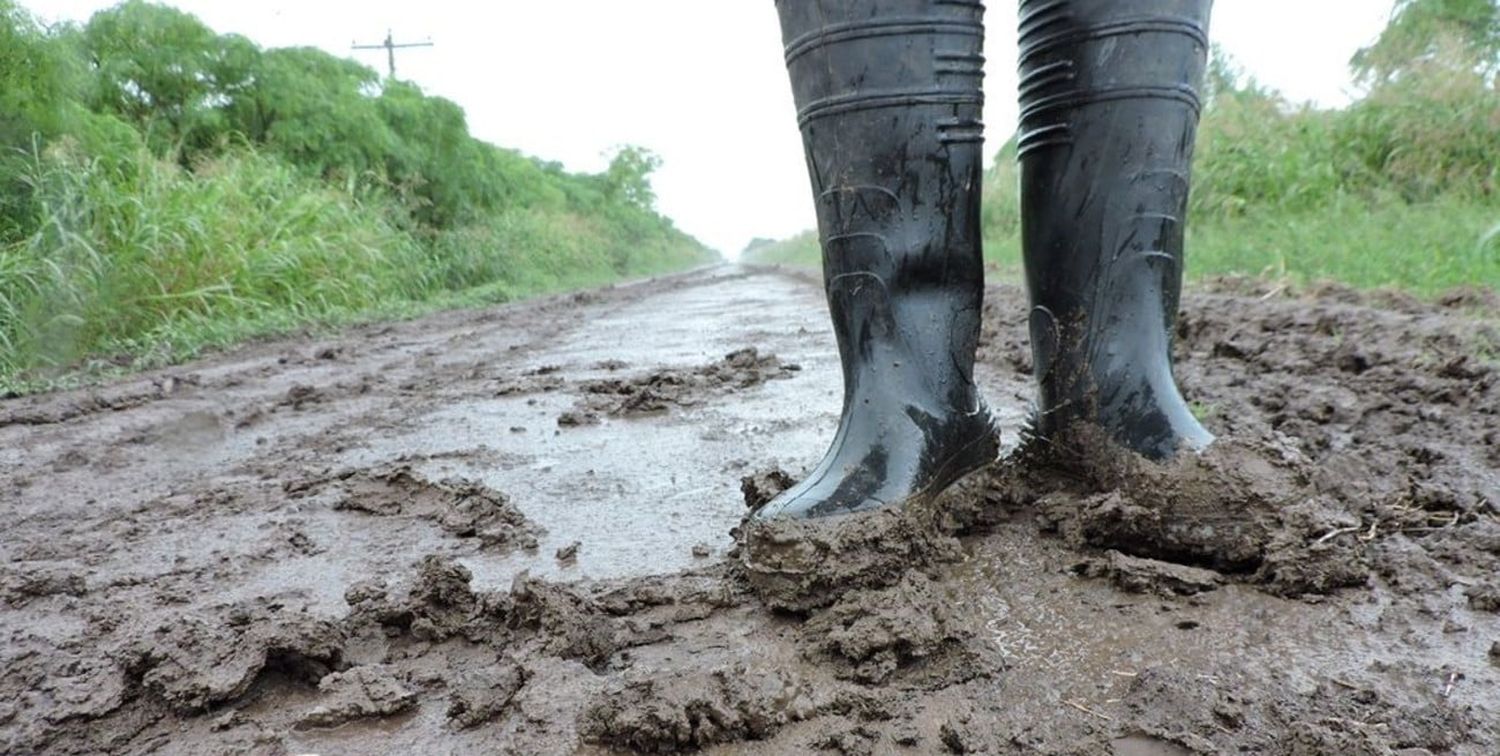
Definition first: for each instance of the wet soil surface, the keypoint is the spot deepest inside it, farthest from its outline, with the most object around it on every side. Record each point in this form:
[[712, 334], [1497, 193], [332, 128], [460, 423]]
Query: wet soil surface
[[508, 531]]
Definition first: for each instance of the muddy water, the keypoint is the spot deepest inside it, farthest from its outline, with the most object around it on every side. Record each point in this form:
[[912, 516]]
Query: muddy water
[[640, 493], [349, 544]]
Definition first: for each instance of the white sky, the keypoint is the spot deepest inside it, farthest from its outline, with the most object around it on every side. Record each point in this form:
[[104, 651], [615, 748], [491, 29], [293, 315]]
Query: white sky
[[701, 82]]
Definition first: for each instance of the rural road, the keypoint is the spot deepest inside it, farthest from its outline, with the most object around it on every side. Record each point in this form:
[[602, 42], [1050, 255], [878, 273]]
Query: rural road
[[505, 530], [476, 395]]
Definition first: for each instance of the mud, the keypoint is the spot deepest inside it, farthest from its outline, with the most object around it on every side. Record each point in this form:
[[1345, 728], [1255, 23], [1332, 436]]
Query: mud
[[461, 507], [661, 390], [350, 544], [798, 565]]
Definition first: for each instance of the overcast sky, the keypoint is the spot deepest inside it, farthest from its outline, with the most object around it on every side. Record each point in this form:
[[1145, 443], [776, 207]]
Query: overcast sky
[[701, 82]]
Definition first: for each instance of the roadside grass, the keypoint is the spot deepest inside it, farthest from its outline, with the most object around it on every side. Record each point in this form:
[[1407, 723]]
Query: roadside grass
[[1425, 248], [140, 263]]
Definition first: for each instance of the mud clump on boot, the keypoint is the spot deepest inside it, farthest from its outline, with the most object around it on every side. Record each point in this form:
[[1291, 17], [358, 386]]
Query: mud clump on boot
[[800, 564], [1212, 510], [1246, 507], [764, 486]]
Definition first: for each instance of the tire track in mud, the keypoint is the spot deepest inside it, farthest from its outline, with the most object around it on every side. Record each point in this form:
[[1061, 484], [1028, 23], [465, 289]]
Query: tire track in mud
[[346, 544]]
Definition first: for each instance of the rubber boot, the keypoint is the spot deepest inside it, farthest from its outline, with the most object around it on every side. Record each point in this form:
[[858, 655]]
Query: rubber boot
[[1109, 112], [888, 97]]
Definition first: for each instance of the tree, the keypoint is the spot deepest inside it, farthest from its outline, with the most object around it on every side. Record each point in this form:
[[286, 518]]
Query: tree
[[165, 71], [314, 109], [434, 155], [628, 177], [1457, 34]]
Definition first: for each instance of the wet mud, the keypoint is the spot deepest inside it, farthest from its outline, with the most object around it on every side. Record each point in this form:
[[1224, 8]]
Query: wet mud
[[386, 541]]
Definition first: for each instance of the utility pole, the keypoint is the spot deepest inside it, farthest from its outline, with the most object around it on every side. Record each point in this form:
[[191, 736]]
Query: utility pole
[[390, 49]]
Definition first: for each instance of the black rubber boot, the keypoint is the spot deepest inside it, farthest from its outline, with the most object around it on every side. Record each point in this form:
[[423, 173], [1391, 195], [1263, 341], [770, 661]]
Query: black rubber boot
[[1109, 111], [888, 97]]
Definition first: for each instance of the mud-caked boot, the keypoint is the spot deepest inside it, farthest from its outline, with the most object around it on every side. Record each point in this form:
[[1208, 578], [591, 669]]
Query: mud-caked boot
[[889, 99], [1109, 112]]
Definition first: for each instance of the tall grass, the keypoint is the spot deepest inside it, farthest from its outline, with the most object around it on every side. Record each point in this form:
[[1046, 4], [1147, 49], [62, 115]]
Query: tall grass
[[141, 254], [529, 251], [1396, 190], [143, 261]]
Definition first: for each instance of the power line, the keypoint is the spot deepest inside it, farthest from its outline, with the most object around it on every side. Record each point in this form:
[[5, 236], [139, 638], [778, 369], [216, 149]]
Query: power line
[[390, 49]]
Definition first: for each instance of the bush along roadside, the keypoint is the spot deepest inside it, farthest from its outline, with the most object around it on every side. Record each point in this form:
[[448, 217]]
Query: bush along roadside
[[164, 188]]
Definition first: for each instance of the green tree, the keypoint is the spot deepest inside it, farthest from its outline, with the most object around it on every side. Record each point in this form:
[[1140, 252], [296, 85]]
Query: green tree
[[435, 160], [165, 71], [314, 109], [1460, 34], [41, 81], [31, 79], [628, 178]]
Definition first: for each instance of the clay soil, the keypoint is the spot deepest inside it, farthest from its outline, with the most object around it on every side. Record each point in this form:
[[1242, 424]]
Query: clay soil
[[508, 531]]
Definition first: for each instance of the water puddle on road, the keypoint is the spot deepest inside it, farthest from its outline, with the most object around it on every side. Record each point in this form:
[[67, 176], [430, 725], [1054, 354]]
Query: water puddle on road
[[640, 493]]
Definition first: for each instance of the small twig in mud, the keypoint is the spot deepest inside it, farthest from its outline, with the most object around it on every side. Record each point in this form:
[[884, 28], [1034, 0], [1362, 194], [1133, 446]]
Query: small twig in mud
[[1370, 536], [1123, 673], [1089, 711], [1343, 684], [1430, 528], [1272, 293], [1358, 723], [1452, 678], [1332, 534]]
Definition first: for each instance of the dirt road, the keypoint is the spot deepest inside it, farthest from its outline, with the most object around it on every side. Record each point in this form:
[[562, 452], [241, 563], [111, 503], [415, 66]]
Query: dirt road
[[509, 530]]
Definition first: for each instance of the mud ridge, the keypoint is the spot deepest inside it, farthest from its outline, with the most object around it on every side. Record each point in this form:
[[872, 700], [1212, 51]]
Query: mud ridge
[[461, 507], [662, 390]]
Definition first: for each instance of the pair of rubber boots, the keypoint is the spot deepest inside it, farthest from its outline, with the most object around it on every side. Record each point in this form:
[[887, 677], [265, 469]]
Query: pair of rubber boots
[[889, 101]]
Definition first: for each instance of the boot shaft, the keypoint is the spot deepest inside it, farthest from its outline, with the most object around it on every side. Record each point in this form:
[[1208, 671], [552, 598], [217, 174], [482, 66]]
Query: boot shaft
[[1109, 113], [889, 100], [1079, 56]]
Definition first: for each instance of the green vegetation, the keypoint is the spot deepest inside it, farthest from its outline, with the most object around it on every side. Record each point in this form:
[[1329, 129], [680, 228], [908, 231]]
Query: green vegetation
[[164, 188], [1401, 188]]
